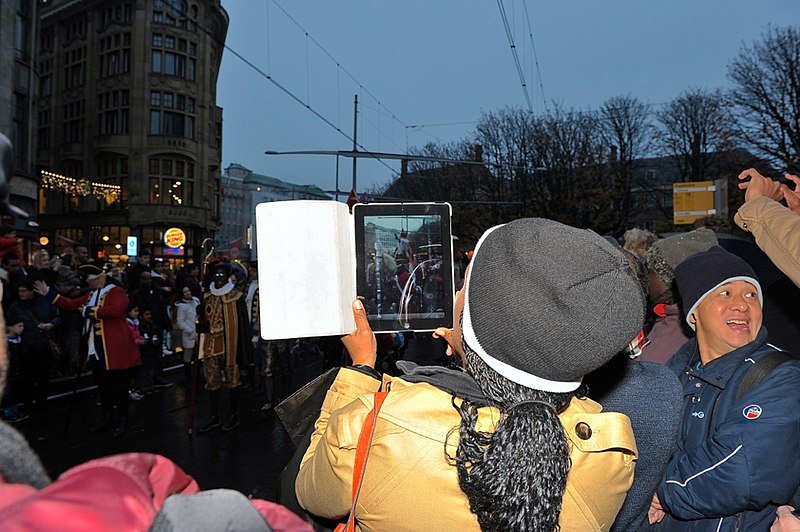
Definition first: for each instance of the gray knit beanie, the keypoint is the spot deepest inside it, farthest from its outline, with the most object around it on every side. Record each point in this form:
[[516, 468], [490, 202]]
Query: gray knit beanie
[[546, 303]]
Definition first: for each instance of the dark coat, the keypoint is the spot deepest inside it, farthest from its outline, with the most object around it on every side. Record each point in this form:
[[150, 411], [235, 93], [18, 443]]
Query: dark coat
[[737, 460], [31, 311], [650, 395]]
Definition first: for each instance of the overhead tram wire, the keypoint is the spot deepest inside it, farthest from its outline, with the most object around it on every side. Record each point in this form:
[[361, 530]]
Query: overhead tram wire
[[377, 126], [289, 93], [535, 56], [301, 102], [338, 64], [510, 37], [420, 126]]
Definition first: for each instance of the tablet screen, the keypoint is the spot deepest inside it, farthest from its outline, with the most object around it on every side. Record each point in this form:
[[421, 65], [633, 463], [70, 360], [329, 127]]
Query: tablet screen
[[404, 265]]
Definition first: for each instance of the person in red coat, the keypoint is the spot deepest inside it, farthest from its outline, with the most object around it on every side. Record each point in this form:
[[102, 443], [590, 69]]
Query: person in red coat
[[107, 342]]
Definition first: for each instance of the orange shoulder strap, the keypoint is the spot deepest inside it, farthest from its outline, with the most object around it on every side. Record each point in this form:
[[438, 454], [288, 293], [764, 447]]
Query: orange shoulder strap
[[362, 451]]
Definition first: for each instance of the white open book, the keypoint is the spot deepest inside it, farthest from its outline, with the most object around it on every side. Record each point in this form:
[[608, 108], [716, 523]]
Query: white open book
[[306, 269]]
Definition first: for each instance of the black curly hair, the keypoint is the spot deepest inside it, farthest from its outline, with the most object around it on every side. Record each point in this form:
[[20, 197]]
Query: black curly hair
[[514, 477]]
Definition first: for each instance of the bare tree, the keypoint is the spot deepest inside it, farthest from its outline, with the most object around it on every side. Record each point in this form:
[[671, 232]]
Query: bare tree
[[463, 185], [694, 125], [627, 130], [507, 140], [553, 166], [570, 186], [766, 96]]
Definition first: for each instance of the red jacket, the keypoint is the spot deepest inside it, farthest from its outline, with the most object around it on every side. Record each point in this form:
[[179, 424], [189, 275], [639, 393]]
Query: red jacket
[[112, 338], [10, 245], [123, 492]]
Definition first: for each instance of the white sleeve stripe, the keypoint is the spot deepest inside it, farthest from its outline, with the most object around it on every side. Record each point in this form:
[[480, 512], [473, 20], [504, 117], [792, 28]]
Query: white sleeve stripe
[[706, 470]]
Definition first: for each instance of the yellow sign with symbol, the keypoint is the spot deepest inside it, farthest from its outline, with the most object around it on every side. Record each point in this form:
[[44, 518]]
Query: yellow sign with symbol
[[692, 200]]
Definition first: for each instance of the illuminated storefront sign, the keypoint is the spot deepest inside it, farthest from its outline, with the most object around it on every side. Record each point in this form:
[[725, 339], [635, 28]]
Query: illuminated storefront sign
[[174, 237]]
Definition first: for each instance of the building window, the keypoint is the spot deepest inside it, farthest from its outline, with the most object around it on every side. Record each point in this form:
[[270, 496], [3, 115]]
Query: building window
[[43, 136], [172, 114], [44, 86], [173, 13], [173, 124], [171, 181], [173, 56], [73, 120], [19, 131], [45, 77], [115, 54], [116, 14], [75, 30], [74, 69], [155, 122], [21, 32], [112, 169], [216, 141], [113, 112], [173, 64], [46, 40], [155, 62]]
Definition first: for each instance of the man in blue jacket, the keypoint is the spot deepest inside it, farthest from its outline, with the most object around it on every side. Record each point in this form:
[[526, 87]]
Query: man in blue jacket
[[737, 458]]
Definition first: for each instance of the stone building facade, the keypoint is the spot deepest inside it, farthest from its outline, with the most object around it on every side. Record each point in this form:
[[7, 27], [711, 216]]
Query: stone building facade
[[17, 83], [129, 136], [243, 189]]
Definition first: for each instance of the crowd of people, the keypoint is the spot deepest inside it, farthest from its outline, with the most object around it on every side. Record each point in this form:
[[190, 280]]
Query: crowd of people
[[554, 341], [590, 386], [68, 314]]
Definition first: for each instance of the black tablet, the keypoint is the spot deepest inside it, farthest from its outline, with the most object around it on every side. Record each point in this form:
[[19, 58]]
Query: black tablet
[[404, 265]]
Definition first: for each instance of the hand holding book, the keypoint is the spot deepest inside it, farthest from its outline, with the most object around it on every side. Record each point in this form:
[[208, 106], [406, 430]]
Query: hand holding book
[[361, 343]]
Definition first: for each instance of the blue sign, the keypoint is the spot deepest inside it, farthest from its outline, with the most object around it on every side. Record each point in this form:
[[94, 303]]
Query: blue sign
[[133, 246]]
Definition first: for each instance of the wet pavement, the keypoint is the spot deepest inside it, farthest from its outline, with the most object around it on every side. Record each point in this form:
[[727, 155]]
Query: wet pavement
[[248, 458]]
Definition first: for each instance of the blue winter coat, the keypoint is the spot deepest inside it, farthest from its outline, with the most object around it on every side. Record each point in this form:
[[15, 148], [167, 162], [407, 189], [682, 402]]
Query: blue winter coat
[[736, 460]]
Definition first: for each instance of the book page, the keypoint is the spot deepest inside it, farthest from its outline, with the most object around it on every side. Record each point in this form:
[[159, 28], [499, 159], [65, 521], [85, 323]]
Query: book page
[[306, 269]]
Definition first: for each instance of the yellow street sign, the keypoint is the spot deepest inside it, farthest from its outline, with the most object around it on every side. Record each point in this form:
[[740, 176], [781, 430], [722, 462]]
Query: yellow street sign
[[692, 201]]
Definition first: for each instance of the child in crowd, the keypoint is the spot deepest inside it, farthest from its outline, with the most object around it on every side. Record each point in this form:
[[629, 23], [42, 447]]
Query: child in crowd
[[133, 325], [9, 243], [10, 410], [149, 349], [185, 320]]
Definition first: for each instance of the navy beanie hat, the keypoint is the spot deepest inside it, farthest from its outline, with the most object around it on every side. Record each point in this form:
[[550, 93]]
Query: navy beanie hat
[[701, 273], [546, 303]]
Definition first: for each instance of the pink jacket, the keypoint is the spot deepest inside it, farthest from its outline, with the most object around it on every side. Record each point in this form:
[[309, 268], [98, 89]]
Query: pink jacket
[[123, 492]]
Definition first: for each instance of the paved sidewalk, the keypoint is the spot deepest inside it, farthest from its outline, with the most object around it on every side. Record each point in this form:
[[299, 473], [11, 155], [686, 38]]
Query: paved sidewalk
[[248, 458]]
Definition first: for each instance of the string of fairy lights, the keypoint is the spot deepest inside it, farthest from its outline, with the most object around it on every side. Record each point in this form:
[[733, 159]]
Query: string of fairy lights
[[80, 187]]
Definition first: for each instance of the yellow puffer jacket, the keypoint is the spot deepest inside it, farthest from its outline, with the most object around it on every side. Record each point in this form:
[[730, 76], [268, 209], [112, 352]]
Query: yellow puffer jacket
[[409, 484]]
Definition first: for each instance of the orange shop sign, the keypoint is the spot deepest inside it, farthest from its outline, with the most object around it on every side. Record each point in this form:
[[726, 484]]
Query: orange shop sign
[[174, 237]]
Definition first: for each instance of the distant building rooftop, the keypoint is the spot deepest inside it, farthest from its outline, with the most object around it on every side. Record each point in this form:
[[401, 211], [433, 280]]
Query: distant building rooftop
[[236, 170]]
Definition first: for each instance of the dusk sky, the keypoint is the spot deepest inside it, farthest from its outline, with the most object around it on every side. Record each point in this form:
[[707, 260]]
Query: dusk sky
[[419, 64]]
